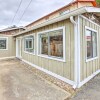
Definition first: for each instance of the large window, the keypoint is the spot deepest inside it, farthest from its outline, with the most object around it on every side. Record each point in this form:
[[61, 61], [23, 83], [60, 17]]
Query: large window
[[51, 43], [3, 43], [91, 38], [29, 44]]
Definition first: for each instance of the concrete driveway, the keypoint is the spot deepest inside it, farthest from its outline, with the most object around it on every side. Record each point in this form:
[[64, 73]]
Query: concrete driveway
[[17, 82], [90, 91]]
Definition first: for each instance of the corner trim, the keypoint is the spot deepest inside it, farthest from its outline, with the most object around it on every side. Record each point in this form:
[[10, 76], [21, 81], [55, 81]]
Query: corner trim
[[50, 73], [89, 78]]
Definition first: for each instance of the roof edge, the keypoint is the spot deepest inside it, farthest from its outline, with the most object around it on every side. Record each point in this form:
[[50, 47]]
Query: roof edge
[[4, 30], [60, 18], [76, 12], [71, 3]]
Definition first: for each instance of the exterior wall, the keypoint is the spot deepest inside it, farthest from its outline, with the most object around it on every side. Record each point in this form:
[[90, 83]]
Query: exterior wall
[[11, 51], [64, 69], [88, 67]]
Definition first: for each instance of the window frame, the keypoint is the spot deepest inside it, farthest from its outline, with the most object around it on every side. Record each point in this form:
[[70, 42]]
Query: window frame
[[93, 30], [33, 44], [6, 42], [52, 57]]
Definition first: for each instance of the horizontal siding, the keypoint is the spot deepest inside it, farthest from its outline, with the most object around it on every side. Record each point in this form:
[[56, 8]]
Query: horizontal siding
[[11, 48], [65, 69], [88, 68]]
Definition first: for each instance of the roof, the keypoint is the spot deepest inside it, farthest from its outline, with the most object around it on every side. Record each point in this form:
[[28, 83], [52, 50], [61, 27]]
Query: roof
[[70, 4], [78, 11], [11, 28]]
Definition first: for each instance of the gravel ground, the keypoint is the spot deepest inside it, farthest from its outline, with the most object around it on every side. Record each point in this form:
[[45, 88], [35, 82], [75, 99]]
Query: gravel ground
[[90, 91], [18, 82]]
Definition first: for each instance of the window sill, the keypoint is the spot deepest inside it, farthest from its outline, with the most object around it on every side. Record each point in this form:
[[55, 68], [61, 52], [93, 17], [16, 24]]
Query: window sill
[[91, 59], [52, 58], [29, 53], [3, 49]]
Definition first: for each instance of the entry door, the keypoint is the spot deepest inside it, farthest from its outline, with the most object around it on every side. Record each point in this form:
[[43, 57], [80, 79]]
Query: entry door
[[18, 48]]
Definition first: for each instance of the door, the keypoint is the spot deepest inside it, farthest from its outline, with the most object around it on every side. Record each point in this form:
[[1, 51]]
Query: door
[[18, 48]]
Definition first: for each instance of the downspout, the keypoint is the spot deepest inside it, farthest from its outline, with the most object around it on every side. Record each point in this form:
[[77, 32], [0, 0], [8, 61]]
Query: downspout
[[77, 51]]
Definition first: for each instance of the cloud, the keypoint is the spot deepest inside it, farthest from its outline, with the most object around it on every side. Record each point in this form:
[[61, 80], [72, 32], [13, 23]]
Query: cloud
[[37, 9]]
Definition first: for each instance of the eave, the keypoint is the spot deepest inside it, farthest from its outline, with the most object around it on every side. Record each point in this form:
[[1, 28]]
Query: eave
[[76, 12]]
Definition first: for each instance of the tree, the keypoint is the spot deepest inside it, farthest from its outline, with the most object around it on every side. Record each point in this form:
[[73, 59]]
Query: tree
[[98, 2]]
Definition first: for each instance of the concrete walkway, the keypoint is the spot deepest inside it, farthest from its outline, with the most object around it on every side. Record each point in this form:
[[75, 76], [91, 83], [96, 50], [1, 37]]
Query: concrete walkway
[[90, 91], [17, 82]]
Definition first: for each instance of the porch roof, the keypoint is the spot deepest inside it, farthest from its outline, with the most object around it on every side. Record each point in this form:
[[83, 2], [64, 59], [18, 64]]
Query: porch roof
[[76, 12]]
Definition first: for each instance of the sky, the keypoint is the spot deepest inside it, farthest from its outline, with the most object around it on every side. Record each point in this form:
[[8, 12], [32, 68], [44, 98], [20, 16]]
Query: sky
[[36, 10]]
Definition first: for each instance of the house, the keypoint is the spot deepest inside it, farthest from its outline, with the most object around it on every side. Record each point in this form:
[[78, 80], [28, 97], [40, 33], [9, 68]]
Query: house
[[64, 44], [7, 42]]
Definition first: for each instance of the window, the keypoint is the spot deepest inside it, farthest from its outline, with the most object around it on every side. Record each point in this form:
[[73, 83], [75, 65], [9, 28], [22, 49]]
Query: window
[[51, 43], [29, 44], [91, 39], [3, 43], [44, 44]]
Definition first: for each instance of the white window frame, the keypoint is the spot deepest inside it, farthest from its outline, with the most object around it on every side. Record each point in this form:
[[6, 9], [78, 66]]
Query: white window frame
[[6, 42], [25, 43], [33, 43], [51, 57], [88, 28]]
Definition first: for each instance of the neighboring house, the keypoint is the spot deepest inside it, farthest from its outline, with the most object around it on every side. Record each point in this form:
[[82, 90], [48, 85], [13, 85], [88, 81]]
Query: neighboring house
[[66, 45], [7, 42]]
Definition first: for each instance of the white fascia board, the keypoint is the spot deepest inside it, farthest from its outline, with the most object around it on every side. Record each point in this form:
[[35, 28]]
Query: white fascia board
[[78, 11], [93, 9], [57, 19]]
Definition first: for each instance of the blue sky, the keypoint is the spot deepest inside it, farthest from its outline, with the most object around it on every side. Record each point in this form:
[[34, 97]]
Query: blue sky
[[37, 9]]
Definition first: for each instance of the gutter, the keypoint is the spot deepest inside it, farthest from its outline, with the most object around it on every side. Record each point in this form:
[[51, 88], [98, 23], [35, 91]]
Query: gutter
[[77, 51], [57, 19]]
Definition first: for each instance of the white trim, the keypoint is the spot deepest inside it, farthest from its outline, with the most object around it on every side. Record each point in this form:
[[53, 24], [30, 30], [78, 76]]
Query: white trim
[[60, 18], [17, 55], [78, 52], [27, 39], [93, 9], [50, 73], [88, 60], [54, 29], [89, 20], [6, 42], [89, 78], [32, 43], [3, 58], [51, 57], [29, 53], [16, 47], [93, 30], [76, 24]]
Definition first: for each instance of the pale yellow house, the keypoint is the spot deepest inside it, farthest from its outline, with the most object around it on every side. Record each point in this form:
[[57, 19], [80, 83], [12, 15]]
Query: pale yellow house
[[64, 44]]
